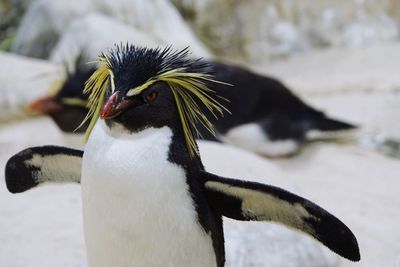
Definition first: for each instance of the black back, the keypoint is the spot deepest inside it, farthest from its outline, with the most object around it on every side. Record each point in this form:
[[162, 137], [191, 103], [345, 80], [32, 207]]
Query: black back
[[209, 218], [254, 97]]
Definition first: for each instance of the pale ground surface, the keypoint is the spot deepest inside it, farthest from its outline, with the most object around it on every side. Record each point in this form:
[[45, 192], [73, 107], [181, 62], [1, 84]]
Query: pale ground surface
[[358, 185], [47, 221]]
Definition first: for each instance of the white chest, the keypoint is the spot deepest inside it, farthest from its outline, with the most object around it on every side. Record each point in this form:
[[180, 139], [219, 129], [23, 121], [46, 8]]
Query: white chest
[[136, 204]]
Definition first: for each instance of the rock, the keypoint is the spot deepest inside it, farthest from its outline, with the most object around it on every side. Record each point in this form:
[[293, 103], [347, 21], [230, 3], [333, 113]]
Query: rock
[[11, 12], [158, 18], [258, 30], [91, 34], [337, 71], [58, 208], [395, 263], [261, 245], [46, 20], [25, 80], [44, 23]]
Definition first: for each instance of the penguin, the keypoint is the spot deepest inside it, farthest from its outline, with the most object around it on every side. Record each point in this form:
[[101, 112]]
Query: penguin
[[65, 102], [267, 118], [147, 199]]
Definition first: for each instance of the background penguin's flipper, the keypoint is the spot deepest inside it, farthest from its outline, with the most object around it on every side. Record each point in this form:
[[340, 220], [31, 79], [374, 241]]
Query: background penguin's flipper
[[37, 165], [242, 200], [324, 123]]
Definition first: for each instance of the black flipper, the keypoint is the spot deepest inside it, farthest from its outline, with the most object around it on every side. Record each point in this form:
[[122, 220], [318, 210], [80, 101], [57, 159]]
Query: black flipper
[[324, 123], [37, 165], [251, 201]]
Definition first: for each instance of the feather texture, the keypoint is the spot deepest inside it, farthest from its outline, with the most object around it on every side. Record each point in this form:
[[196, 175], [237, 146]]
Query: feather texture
[[186, 78], [96, 88]]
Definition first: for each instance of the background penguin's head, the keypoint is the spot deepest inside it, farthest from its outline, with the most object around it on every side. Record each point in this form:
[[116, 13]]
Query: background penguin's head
[[66, 103], [139, 87]]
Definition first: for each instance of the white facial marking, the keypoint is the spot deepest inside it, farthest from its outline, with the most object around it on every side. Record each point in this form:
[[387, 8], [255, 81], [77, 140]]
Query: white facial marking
[[251, 137], [56, 168], [137, 208], [262, 206]]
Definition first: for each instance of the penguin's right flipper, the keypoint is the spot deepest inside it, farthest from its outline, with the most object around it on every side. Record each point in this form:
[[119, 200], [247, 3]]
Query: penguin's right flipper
[[37, 165], [249, 201]]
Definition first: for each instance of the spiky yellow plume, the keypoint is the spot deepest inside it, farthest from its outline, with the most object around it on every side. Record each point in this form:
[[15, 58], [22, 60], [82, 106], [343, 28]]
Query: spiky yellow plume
[[185, 86], [96, 88], [188, 87]]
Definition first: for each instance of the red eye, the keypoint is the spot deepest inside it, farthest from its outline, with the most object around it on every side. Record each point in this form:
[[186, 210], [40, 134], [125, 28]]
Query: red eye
[[151, 96]]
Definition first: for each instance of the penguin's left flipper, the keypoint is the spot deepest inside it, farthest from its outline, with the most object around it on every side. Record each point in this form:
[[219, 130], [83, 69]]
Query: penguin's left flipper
[[249, 201], [37, 165]]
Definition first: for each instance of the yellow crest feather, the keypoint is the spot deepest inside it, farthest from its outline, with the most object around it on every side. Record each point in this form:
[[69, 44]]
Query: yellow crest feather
[[56, 86], [187, 87], [96, 87]]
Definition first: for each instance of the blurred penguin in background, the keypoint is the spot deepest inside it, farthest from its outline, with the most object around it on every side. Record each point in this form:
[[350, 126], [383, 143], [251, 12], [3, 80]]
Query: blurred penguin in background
[[266, 117]]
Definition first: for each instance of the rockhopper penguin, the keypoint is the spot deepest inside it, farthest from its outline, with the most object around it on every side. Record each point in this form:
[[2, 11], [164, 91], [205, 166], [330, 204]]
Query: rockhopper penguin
[[267, 118], [65, 102], [147, 200]]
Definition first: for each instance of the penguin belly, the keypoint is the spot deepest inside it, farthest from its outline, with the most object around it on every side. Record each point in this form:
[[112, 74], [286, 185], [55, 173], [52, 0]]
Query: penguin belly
[[137, 208], [252, 137]]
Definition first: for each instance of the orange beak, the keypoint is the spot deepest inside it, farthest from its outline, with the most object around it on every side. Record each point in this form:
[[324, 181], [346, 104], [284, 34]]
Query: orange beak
[[113, 107], [44, 105]]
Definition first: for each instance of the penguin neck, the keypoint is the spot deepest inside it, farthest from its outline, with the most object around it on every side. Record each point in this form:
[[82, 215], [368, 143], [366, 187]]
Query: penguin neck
[[68, 119], [178, 150], [179, 153]]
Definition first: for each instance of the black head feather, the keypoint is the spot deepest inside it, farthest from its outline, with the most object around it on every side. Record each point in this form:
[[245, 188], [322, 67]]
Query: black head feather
[[129, 72], [133, 66], [75, 79]]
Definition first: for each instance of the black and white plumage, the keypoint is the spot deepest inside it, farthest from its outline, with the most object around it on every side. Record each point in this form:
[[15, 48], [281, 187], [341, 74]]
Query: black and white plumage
[[266, 117], [66, 103], [147, 200], [38, 165]]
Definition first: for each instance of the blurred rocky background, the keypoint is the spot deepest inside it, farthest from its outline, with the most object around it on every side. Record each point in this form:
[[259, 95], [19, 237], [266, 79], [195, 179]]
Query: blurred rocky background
[[252, 31], [317, 47], [258, 30], [341, 56], [11, 13]]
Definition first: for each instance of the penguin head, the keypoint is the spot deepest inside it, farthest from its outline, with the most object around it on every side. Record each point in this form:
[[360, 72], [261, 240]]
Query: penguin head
[[139, 87], [154, 107], [65, 103]]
